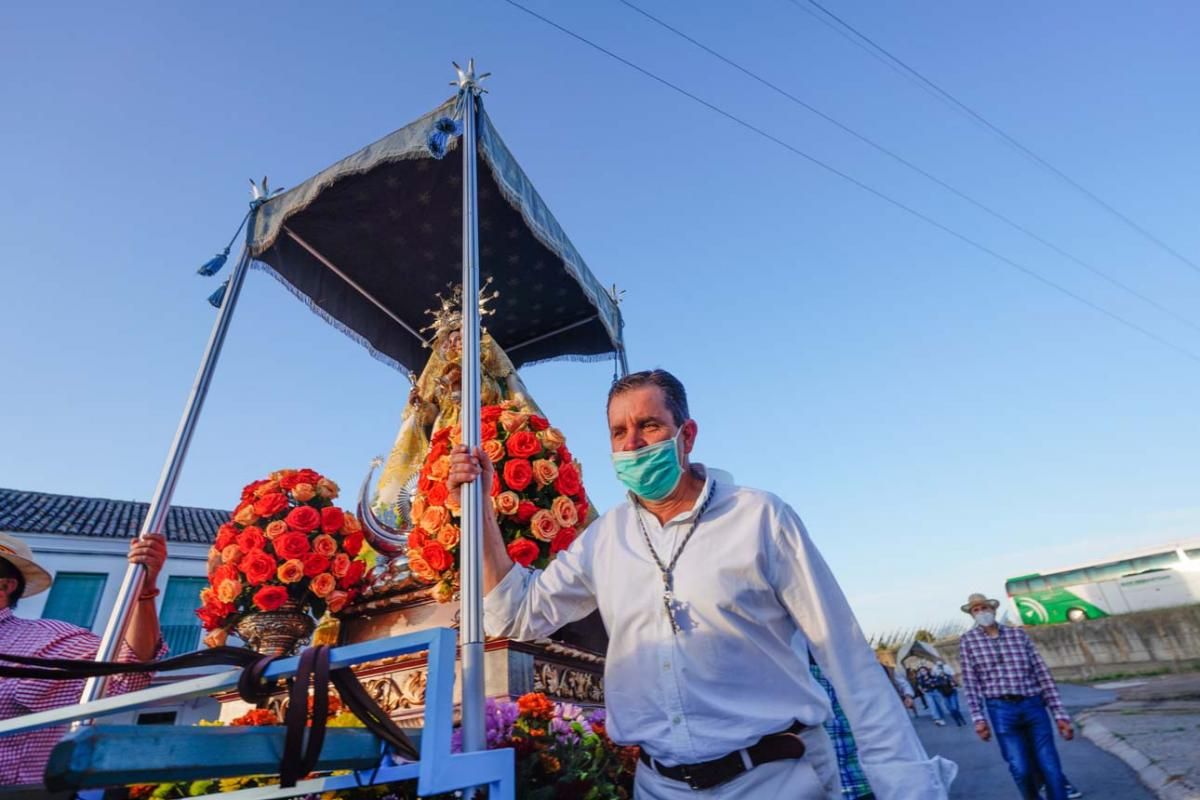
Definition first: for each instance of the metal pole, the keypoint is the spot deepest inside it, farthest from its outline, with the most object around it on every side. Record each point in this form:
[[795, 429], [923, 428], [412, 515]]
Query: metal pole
[[160, 504], [471, 576]]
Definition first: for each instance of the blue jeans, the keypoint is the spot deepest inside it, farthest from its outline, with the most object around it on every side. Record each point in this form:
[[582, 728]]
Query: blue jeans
[[1026, 738], [937, 703], [955, 711]]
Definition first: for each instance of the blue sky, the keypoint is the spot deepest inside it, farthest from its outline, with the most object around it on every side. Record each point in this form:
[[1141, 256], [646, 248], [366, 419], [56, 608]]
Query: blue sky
[[940, 421]]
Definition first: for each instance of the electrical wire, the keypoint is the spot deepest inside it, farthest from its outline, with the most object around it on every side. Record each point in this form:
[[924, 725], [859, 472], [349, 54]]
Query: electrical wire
[[861, 185], [978, 118], [919, 170]]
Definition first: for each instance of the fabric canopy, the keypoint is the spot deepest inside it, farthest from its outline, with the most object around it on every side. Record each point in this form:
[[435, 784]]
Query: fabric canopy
[[370, 240]]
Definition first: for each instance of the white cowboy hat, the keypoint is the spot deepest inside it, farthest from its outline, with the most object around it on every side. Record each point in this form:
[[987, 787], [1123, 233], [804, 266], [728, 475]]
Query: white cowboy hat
[[17, 553], [978, 598]]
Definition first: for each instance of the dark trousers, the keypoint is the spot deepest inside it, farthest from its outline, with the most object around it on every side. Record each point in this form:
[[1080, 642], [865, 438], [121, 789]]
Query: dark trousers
[[1026, 738]]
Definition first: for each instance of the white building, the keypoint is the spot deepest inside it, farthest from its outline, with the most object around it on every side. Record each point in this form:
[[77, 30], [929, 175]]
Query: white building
[[83, 543]]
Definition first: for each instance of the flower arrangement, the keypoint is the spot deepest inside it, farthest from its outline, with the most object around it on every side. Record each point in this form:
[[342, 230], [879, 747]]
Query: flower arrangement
[[562, 753], [286, 542], [537, 492]]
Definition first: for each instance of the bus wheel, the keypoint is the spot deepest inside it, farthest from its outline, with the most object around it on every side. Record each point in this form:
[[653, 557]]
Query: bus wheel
[[1076, 614]]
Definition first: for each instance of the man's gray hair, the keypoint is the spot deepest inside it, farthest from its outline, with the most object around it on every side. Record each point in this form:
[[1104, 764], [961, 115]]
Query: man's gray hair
[[673, 391]]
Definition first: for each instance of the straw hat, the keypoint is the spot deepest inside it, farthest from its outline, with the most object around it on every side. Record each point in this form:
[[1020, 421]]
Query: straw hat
[[977, 598], [17, 553]]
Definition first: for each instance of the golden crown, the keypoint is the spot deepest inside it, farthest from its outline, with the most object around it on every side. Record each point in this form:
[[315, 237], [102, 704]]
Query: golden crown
[[448, 316]]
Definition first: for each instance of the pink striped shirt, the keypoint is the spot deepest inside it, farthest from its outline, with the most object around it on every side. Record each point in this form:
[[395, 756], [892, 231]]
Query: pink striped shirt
[[23, 756]]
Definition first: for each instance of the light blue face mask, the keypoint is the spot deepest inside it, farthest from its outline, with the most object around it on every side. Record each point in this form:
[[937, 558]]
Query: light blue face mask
[[651, 472]]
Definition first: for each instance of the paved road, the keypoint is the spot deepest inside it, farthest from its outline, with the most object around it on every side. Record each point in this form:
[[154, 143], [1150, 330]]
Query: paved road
[[983, 775]]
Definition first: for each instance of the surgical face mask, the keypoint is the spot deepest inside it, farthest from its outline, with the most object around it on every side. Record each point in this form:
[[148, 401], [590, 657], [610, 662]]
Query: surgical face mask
[[985, 618], [651, 472]]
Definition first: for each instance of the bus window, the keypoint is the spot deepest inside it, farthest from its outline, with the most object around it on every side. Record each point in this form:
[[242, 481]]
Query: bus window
[[1038, 584], [1016, 587], [1110, 571], [1194, 553], [1072, 578], [1156, 561]]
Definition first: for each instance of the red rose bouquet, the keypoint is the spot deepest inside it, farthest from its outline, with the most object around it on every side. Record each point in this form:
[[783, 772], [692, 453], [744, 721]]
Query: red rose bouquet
[[286, 541], [537, 493]]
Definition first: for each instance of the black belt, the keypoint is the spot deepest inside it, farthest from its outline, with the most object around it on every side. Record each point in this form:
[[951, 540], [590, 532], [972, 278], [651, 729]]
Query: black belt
[[1012, 698], [707, 774]]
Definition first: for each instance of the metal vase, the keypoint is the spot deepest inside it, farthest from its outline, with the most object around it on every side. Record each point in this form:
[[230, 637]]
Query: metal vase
[[277, 633]]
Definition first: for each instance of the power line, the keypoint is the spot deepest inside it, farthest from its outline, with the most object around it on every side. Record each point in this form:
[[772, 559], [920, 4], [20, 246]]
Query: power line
[[855, 181], [910, 165], [978, 118]]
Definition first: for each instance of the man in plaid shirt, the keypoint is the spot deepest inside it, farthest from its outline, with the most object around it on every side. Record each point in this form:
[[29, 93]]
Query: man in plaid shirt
[[1003, 673], [23, 756]]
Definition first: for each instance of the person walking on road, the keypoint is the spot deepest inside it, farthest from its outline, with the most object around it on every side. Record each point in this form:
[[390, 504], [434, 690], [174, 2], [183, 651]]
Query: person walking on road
[[1007, 682], [943, 680], [936, 700]]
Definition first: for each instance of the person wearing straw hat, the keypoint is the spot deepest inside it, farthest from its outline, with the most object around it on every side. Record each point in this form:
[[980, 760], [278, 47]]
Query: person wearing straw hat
[[1009, 689], [23, 758], [713, 596]]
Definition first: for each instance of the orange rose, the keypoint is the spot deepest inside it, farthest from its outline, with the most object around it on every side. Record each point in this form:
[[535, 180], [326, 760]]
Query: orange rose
[[207, 596], [544, 526], [290, 571], [564, 511], [434, 518], [448, 536], [322, 584], [275, 528], [341, 565], [245, 515], [325, 545], [545, 471], [513, 421], [552, 438], [418, 566], [494, 450], [327, 488], [217, 638], [265, 488], [418, 509], [440, 468], [454, 501], [351, 523], [228, 590], [231, 554], [304, 492], [507, 503], [337, 601]]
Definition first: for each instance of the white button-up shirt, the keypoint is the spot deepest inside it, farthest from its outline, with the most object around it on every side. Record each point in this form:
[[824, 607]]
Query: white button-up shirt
[[751, 590]]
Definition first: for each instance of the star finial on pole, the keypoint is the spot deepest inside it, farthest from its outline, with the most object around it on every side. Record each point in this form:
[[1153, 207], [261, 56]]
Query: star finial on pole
[[467, 79]]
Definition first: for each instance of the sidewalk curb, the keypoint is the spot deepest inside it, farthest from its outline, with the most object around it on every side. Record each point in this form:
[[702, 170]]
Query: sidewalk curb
[[1153, 776]]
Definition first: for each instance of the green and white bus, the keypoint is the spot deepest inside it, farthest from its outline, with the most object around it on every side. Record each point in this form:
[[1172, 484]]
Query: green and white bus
[[1154, 578]]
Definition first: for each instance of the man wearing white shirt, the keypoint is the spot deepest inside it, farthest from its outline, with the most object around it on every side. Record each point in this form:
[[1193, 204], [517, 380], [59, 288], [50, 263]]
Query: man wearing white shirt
[[702, 586]]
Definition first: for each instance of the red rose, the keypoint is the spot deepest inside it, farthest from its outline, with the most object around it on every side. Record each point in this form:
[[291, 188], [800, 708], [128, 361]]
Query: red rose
[[332, 519], [341, 565], [212, 615], [487, 431], [440, 435], [437, 451], [270, 504], [568, 480], [305, 475], [518, 473], [581, 508], [258, 566], [314, 564], [437, 494], [291, 544], [226, 535], [304, 518], [437, 557], [248, 489], [523, 551], [353, 575], [498, 487], [270, 598], [251, 538], [525, 511], [538, 423], [353, 544], [563, 540], [424, 483], [523, 444], [417, 539], [490, 413], [564, 455]]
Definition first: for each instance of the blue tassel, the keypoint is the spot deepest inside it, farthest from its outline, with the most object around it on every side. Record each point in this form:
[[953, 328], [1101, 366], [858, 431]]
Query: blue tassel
[[214, 264], [448, 125], [218, 297], [437, 144]]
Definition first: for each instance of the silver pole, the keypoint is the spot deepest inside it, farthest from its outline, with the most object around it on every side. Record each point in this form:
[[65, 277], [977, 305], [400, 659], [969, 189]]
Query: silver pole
[[471, 613], [160, 504]]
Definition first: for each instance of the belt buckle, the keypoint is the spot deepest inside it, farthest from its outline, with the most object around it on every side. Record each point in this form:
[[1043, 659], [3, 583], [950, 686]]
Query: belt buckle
[[688, 777]]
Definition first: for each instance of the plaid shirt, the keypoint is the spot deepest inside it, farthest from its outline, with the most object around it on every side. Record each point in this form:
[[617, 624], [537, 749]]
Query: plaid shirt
[[1006, 664], [854, 782], [23, 756]]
